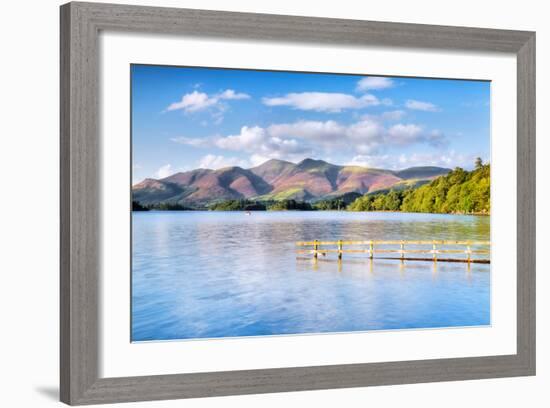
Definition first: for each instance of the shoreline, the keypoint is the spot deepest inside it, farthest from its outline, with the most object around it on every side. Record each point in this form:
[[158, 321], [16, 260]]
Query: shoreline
[[478, 214]]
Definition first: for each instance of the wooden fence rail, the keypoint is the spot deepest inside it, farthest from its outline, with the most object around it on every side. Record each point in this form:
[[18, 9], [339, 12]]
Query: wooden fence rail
[[369, 248]]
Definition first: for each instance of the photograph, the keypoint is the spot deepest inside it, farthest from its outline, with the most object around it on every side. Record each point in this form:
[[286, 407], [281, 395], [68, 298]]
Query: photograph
[[269, 203], [275, 204]]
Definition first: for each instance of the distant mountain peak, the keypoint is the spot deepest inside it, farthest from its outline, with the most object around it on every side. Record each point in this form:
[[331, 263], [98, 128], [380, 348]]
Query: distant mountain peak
[[228, 168], [276, 179], [309, 161], [276, 161]]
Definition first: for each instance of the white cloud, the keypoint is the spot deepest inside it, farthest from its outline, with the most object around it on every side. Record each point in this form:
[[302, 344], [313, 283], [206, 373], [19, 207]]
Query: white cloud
[[313, 130], [284, 147], [366, 139], [262, 143], [164, 171], [249, 139], [231, 94], [366, 136], [292, 141], [374, 83], [193, 102], [211, 161], [198, 101], [404, 134], [421, 106], [322, 101], [365, 130]]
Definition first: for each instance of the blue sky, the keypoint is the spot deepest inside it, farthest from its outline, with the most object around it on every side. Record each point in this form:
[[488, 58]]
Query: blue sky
[[186, 118]]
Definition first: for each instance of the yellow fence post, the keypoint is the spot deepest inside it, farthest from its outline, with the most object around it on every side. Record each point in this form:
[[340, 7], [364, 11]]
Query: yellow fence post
[[371, 249], [469, 252], [340, 249], [315, 248], [434, 251]]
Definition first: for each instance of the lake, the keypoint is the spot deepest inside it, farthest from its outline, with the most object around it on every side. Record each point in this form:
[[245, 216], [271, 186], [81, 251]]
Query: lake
[[214, 274]]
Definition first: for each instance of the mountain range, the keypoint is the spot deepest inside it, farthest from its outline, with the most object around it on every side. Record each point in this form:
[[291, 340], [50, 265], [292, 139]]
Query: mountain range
[[309, 180]]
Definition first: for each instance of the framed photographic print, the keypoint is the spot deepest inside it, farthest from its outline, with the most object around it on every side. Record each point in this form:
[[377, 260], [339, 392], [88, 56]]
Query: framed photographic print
[[260, 203]]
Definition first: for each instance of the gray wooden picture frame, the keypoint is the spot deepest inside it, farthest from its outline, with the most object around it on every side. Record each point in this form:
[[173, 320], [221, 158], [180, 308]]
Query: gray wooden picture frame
[[81, 24]]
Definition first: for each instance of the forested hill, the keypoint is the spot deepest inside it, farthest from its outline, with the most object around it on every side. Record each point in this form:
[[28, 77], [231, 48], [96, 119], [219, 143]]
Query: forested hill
[[458, 192]]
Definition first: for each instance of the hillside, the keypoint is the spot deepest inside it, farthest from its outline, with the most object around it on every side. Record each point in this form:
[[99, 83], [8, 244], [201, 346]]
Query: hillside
[[201, 187], [151, 191], [275, 180], [458, 192]]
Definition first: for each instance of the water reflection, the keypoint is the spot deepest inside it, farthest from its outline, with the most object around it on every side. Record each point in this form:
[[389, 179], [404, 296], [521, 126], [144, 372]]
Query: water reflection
[[210, 274]]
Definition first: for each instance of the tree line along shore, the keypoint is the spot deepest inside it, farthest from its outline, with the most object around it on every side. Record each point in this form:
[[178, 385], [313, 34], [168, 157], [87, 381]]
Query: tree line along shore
[[458, 192]]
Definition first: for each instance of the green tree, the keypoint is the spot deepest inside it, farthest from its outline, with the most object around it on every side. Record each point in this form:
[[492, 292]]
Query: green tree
[[285, 205], [136, 206], [238, 205], [393, 201], [478, 163], [459, 191]]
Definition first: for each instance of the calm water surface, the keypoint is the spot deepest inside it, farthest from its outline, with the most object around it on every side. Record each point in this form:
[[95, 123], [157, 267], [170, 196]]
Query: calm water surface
[[226, 274]]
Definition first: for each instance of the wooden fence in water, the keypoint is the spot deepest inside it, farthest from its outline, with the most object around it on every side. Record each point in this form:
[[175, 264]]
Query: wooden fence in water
[[437, 250]]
